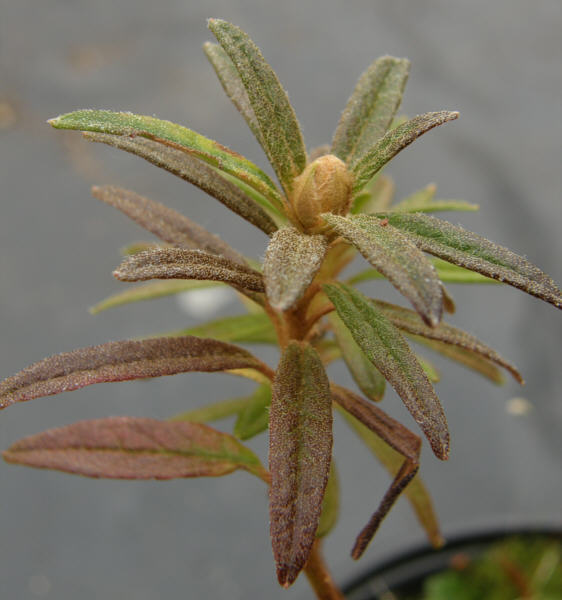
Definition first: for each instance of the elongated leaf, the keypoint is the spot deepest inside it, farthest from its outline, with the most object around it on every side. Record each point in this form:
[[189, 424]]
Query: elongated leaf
[[378, 193], [366, 375], [193, 170], [408, 320], [280, 134], [232, 84], [371, 108], [213, 412], [388, 350], [122, 361], [135, 448], [175, 136], [254, 417], [300, 450], [330, 504], [423, 201], [152, 290], [393, 142], [416, 492], [472, 251], [178, 263], [429, 369], [169, 225], [249, 329], [406, 267], [292, 259]]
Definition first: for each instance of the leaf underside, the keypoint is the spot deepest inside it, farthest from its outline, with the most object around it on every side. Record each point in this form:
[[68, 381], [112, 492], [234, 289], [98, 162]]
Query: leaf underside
[[280, 133], [300, 450], [135, 448], [179, 263], [122, 361], [383, 344], [472, 251]]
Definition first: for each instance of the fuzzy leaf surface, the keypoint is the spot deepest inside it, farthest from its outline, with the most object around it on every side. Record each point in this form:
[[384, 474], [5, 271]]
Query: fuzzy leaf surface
[[388, 350], [371, 108], [393, 142], [254, 417], [369, 379], [179, 263], [151, 291], [292, 259], [330, 504], [472, 251], [391, 253], [280, 133], [416, 492], [376, 197], [300, 450], [191, 169], [232, 84], [171, 134], [166, 223], [135, 448], [123, 361], [409, 321]]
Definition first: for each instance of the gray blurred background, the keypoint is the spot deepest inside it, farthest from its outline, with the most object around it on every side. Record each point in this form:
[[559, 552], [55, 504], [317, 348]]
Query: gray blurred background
[[498, 63]]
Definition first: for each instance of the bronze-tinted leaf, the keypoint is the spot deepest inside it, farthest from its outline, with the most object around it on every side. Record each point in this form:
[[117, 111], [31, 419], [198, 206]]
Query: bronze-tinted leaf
[[388, 350], [167, 224], [409, 321], [366, 375], [192, 170], [135, 448], [173, 135], [122, 361], [280, 134], [292, 259], [371, 108], [253, 418], [300, 450], [232, 84], [391, 253], [471, 251], [178, 263], [393, 142]]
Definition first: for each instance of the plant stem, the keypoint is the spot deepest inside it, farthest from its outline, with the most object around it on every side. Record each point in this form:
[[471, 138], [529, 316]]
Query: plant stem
[[319, 576]]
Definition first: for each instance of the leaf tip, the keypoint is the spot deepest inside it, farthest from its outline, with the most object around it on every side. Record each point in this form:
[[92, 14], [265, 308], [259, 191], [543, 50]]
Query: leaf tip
[[287, 574]]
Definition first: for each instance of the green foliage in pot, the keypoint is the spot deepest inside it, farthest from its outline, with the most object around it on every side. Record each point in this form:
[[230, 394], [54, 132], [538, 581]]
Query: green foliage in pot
[[328, 206]]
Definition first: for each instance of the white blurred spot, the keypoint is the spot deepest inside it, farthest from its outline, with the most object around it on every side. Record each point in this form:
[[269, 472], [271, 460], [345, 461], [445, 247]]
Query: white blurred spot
[[206, 302], [39, 585], [518, 407]]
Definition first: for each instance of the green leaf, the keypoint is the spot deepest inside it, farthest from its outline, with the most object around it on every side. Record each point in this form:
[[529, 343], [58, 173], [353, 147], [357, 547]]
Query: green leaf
[[292, 259], [166, 223], [416, 492], [376, 197], [393, 142], [175, 136], [471, 251], [366, 375], [152, 290], [213, 412], [300, 451], [232, 84], [178, 263], [254, 417], [409, 321], [406, 267], [248, 329], [429, 369], [191, 169], [330, 504], [123, 361], [135, 448], [280, 134], [371, 108], [389, 352], [423, 201]]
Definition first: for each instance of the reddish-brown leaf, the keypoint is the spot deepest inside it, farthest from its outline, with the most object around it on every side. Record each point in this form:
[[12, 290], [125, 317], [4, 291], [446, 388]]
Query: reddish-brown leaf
[[178, 263], [135, 448], [300, 451], [122, 361]]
